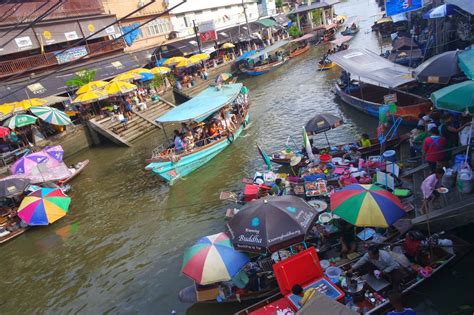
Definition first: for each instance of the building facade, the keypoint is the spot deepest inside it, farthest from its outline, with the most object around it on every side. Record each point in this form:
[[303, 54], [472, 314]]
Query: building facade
[[267, 7], [74, 29], [149, 35]]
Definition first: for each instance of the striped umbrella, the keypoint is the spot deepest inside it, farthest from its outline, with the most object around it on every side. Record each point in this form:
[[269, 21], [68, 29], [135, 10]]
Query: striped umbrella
[[367, 205], [44, 206], [51, 115], [19, 121], [213, 259]]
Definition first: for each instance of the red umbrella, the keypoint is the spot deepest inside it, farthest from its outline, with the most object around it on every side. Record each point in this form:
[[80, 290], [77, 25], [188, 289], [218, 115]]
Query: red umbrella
[[4, 132]]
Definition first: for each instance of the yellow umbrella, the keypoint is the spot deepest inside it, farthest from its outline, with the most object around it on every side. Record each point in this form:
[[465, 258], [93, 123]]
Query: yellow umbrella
[[7, 108], [127, 76], [25, 104], [202, 56], [91, 86], [119, 87], [139, 70], [160, 70], [341, 17], [90, 97], [227, 45], [186, 63], [174, 60]]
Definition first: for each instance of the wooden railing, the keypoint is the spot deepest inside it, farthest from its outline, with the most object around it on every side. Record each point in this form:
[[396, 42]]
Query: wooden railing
[[46, 60]]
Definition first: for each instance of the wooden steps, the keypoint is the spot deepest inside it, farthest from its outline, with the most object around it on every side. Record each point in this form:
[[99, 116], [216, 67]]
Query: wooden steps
[[141, 124]]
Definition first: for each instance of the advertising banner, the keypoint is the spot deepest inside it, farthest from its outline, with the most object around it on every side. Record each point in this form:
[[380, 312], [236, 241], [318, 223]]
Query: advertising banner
[[393, 7]]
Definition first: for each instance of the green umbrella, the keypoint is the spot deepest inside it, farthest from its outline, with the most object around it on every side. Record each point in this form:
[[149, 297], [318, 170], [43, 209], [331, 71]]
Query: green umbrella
[[19, 121], [51, 115], [457, 97]]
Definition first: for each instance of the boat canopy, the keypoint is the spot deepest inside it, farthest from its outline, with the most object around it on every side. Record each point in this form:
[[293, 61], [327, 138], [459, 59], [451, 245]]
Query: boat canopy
[[268, 50], [245, 55], [341, 40], [466, 63], [351, 20], [302, 38], [202, 105], [372, 68]]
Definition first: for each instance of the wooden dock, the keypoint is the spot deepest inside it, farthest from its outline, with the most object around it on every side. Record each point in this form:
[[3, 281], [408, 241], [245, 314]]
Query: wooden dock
[[141, 124]]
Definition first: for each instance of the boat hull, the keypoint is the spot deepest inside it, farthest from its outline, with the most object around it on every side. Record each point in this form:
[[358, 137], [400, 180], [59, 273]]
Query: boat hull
[[409, 114], [350, 32], [326, 67], [171, 171], [298, 52], [263, 69]]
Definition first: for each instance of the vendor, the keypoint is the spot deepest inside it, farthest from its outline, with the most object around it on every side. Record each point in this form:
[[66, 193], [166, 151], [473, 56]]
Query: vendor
[[381, 260], [353, 155], [278, 188], [365, 141], [429, 186], [305, 295], [348, 239]]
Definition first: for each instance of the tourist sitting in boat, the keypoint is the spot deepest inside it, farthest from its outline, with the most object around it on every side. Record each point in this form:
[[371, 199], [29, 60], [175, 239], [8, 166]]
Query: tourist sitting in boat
[[365, 141], [178, 142], [189, 140], [348, 239], [200, 136], [346, 179], [381, 264], [184, 128], [305, 295], [353, 155], [395, 298], [214, 132], [428, 188]]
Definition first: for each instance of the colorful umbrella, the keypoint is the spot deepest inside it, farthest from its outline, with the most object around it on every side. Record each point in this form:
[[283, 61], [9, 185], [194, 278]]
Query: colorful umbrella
[[26, 104], [223, 77], [271, 223], [186, 63], [213, 259], [20, 120], [146, 76], [367, 205], [119, 88], [160, 70], [44, 206], [10, 187], [127, 76], [90, 97], [51, 115], [7, 108], [91, 86], [56, 152], [173, 60], [456, 97], [4, 132], [227, 45], [199, 57], [27, 163]]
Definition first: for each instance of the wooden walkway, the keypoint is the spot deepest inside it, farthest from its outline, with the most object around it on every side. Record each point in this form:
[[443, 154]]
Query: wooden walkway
[[141, 124]]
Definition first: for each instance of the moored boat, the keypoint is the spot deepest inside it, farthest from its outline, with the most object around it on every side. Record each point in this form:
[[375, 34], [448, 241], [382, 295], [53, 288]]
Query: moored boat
[[326, 65], [300, 45], [351, 26], [264, 60], [172, 164], [75, 170]]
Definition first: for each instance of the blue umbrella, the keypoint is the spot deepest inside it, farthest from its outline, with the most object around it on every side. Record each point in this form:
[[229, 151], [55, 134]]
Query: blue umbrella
[[146, 76], [439, 12]]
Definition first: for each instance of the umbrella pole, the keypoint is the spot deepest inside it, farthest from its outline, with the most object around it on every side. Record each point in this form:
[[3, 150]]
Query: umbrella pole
[[327, 139], [469, 141]]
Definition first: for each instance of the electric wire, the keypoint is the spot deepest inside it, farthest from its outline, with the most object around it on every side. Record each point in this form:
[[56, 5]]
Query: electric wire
[[24, 19]]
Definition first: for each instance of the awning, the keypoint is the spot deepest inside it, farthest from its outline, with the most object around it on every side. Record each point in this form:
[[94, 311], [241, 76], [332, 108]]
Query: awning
[[465, 5], [245, 55], [269, 49], [12, 42], [466, 63], [54, 99], [281, 19], [341, 40], [302, 38], [55, 84], [93, 25], [58, 33], [313, 6], [372, 68], [205, 103], [400, 17], [404, 43], [267, 22]]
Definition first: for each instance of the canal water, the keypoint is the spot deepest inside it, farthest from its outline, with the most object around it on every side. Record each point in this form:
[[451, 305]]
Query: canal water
[[120, 248]]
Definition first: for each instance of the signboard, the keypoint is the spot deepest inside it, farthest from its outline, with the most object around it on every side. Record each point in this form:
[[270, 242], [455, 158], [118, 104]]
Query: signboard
[[110, 30], [71, 35], [207, 31], [71, 54], [24, 42], [390, 98], [393, 7], [36, 88]]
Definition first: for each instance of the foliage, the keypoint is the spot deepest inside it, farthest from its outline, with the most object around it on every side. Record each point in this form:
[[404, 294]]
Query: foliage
[[279, 3], [317, 17], [294, 31], [157, 81], [82, 77]]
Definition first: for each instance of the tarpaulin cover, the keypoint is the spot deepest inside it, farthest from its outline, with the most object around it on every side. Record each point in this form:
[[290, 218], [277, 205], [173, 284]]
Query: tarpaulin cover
[[372, 68], [205, 103], [269, 49], [466, 5]]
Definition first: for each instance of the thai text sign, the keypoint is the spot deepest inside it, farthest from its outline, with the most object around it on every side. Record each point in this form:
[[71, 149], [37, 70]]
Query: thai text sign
[[393, 7], [71, 54]]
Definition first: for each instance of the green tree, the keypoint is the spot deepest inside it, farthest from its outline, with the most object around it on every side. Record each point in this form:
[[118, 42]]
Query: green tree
[[82, 77], [279, 4], [294, 31]]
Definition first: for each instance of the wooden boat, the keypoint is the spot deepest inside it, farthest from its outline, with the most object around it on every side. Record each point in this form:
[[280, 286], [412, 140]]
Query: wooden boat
[[326, 66], [374, 149], [351, 26], [300, 51], [259, 70], [11, 235], [369, 99], [350, 31], [189, 295], [79, 167], [171, 165]]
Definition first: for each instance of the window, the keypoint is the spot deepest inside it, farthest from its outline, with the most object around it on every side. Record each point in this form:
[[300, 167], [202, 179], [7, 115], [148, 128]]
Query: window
[[157, 27]]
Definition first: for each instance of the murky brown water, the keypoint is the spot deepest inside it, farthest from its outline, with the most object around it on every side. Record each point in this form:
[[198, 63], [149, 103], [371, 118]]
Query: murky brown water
[[120, 248]]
